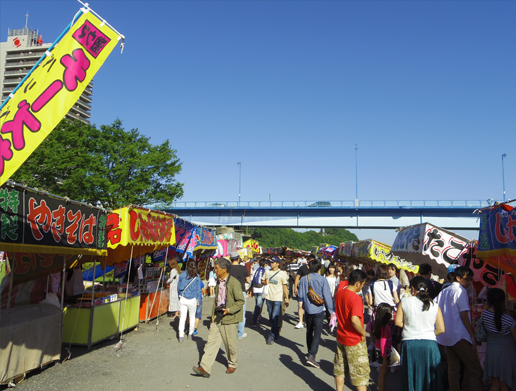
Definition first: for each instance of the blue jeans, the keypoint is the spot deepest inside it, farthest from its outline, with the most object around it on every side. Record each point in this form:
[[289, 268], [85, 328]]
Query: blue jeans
[[198, 312], [314, 327], [241, 325], [258, 307], [274, 308]]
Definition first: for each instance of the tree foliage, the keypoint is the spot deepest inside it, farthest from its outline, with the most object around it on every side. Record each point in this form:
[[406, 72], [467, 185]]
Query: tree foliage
[[287, 237], [110, 165]]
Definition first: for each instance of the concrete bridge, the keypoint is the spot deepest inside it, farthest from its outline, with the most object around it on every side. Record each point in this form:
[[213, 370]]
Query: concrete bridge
[[449, 214]]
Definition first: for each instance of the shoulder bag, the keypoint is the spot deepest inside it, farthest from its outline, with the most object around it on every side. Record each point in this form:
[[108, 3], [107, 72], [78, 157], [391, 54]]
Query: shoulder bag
[[190, 283], [312, 296], [266, 287]]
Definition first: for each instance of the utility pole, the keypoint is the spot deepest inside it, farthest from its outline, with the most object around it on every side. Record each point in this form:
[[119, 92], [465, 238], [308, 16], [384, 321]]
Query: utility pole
[[356, 175], [239, 181]]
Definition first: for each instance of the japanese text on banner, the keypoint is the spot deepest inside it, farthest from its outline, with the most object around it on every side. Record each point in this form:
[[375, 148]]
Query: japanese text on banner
[[51, 90]]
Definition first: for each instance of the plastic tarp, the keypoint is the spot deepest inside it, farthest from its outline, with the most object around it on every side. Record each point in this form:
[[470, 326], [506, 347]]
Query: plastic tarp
[[30, 336], [87, 275]]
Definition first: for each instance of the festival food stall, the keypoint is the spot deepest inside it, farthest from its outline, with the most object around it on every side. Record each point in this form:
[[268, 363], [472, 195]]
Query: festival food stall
[[44, 235], [497, 237], [111, 312], [254, 245], [497, 248], [426, 243], [134, 233]]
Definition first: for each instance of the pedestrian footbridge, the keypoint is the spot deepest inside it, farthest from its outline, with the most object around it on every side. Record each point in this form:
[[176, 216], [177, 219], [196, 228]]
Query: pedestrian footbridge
[[453, 215]]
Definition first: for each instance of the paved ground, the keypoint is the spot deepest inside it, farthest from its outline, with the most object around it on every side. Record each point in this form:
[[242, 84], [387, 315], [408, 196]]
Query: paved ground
[[153, 359]]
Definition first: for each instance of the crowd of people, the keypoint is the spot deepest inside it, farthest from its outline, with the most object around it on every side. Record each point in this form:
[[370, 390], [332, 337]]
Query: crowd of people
[[426, 324]]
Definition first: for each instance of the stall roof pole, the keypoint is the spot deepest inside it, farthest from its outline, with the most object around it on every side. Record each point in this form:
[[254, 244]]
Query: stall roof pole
[[63, 283], [159, 306], [104, 276], [126, 294], [10, 282]]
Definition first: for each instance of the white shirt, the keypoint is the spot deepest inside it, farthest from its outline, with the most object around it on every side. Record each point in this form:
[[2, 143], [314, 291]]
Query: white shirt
[[418, 324], [382, 293], [452, 301], [332, 281]]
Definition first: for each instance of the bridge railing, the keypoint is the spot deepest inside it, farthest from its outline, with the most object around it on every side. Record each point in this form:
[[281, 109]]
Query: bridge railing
[[332, 204]]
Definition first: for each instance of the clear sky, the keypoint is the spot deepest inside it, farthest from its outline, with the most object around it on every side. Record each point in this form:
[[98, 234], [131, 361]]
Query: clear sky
[[427, 89]]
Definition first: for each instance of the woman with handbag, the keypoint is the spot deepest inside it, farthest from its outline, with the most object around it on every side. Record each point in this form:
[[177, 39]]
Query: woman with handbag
[[500, 362], [421, 320], [189, 290]]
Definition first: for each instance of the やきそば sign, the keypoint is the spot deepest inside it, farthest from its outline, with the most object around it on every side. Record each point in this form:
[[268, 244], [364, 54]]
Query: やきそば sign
[[31, 222]]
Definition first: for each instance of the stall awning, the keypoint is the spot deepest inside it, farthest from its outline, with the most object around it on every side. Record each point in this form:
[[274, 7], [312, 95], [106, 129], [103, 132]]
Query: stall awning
[[426, 243], [372, 250], [134, 230], [253, 244], [206, 239], [34, 222], [497, 237], [484, 272]]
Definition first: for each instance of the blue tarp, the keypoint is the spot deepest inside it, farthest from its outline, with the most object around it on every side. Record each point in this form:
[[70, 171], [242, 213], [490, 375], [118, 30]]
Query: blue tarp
[[88, 274]]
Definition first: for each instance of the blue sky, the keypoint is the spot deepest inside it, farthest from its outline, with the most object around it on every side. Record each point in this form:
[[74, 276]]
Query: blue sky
[[427, 89]]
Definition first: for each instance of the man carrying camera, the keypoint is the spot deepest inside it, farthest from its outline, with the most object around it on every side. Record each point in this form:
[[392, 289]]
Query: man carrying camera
[[227, 313]]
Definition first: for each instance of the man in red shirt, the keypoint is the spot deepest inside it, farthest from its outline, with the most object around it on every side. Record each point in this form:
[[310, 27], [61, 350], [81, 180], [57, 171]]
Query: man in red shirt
[[351, 356]]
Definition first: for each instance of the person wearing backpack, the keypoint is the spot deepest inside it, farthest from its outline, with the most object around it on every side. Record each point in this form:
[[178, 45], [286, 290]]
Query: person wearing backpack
[[314, 294], [258, 287]]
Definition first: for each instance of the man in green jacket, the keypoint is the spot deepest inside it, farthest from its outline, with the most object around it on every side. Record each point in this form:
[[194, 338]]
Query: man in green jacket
[[226, 314]]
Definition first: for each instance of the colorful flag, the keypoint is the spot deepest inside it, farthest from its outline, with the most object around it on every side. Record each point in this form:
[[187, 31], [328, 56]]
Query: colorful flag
[[51, 89]]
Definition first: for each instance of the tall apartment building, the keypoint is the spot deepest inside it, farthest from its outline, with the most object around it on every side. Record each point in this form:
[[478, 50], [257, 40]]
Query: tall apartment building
[[23, 49]]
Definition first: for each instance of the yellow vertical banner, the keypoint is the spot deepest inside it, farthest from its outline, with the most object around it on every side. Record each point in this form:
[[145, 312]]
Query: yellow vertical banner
[[49, 92]]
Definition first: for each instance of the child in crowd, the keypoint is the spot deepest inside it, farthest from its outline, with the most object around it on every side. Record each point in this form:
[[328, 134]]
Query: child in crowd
[[382, 348]]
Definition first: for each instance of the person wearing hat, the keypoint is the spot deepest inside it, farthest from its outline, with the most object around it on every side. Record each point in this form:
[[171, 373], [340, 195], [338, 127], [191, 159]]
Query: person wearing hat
[[240, 273], [277, 282], [450, 276]]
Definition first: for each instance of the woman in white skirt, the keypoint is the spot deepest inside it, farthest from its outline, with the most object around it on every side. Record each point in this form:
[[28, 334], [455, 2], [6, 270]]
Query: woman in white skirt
[[212, 282], [189, 290], [173, 278]]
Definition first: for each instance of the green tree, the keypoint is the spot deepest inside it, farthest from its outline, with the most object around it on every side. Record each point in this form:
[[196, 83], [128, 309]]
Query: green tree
[[110, 165], [287, 237]]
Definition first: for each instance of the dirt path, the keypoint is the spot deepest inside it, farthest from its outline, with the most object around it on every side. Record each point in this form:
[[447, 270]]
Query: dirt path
[[153, 359]]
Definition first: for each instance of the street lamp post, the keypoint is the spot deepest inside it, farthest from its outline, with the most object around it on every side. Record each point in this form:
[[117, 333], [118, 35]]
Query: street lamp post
[[356, 175], [503, 175], [239, 181]]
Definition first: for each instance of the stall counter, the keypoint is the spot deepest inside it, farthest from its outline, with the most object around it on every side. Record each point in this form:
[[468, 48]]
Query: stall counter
[[88, 326], [154, 304]]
